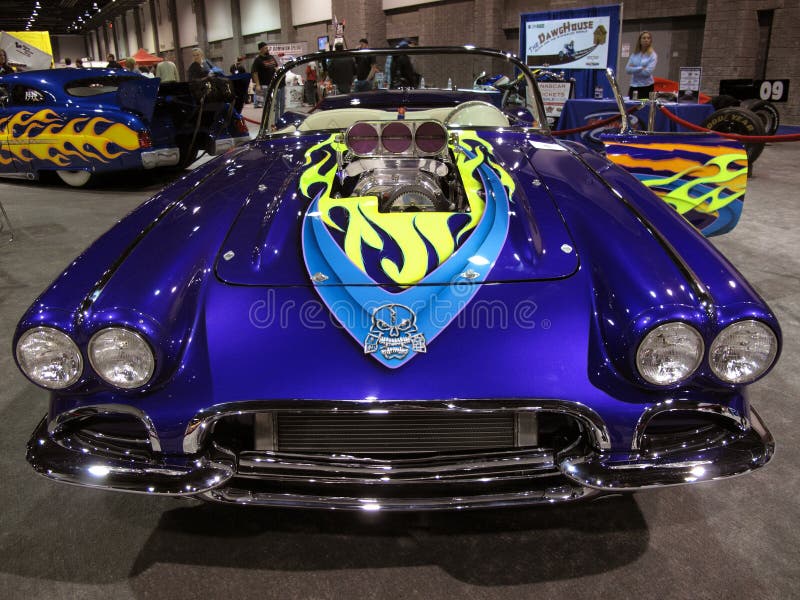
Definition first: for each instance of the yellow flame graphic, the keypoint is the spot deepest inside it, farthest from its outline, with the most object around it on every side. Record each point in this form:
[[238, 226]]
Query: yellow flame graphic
[[412, 232], [725, 175], [46, 136]]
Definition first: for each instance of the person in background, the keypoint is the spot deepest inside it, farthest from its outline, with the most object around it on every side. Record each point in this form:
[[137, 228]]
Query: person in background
[[200, 67], [403, 75], [146, 71], [342, 70], [78, 63], [68, 63], [167, 71], [262, 72], [5, 68], [641, 65], [239, 83], [112, 62], [130, 65], [365, 69], [310, 89], [238, 67]]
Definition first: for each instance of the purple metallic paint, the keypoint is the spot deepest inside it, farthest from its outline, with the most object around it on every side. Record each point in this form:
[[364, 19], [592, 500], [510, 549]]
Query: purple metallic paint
[[575, 341]]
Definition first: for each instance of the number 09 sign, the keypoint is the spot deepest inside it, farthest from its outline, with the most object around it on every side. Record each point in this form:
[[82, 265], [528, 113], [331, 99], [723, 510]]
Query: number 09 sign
[[774, 90]]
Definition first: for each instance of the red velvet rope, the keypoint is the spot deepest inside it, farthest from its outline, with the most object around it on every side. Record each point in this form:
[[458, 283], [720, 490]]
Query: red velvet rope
[[251, 121], [596, 124], [753, 139]]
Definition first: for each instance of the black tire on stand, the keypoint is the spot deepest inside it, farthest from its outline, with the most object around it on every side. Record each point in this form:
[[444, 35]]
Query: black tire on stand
[[739, 121], [767, 112]]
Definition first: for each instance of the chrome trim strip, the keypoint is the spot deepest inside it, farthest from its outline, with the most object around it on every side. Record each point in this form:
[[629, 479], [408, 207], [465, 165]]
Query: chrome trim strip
[[551, 495], [200, 425], [55, 424], [737, 454], [685, 406], [182, 476], [362, 470], [623, 115]]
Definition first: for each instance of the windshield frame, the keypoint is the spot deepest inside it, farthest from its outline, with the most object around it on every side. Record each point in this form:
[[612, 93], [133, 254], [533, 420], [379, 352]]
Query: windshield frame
[[268, 119]]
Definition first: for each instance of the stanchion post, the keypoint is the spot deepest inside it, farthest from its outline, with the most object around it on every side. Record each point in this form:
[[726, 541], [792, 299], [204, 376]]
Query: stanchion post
[[651, 118]]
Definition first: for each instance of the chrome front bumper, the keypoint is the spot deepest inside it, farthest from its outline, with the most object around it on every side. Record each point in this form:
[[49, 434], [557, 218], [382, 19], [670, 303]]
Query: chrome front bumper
[[163, 157], [274, 479]]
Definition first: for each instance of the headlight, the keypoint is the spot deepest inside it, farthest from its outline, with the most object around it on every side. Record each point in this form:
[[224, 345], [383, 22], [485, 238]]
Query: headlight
[[121, 357], [743, 351], [669, 353], [49, 358]]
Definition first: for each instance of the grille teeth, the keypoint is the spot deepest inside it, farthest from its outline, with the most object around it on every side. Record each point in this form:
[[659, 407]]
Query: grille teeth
[[394, 433]]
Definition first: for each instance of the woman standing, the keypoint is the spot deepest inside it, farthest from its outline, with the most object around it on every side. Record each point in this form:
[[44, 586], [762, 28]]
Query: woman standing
[[641, 66], [200, 68], [5, 68]]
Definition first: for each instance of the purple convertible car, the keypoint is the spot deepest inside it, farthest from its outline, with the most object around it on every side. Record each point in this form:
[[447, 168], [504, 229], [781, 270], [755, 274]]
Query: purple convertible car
[[411, 299]]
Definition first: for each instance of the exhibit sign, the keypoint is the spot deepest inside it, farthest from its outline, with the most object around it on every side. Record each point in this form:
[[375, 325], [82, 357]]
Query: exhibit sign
[[689, 84], [28, 49], [283, 53], [580, 43], [554, 95], [774, 90]]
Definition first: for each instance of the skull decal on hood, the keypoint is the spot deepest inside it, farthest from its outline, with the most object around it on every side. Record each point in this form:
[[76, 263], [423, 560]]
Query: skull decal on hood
[[394, 332]]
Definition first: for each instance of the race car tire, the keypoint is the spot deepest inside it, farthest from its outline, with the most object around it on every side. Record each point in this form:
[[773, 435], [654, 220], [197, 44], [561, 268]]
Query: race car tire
[[739, 121], [767, 112], [724, 101], [75, 178]]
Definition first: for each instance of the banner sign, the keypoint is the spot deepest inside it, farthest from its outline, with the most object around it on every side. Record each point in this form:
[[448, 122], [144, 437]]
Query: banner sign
[[554, 95], [25, 49], [287, 52], [573, 43], [581, 41]]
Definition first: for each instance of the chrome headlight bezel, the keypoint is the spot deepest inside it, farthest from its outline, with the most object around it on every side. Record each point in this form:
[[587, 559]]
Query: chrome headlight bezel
[[739, 328], [104, 371], [648, 344], [68, 346]]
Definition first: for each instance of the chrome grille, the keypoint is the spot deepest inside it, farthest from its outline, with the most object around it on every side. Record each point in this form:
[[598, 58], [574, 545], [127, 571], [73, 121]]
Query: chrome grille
[[394, 432]]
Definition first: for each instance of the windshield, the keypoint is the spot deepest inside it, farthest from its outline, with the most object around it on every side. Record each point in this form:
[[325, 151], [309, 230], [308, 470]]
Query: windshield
[[458, 87]]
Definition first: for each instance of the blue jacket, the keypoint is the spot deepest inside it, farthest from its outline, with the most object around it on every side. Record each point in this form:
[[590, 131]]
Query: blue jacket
[[641, 67]]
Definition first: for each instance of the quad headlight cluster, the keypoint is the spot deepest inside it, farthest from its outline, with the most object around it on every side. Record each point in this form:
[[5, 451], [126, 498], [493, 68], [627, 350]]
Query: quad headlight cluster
[[672, 352], [119, 356]]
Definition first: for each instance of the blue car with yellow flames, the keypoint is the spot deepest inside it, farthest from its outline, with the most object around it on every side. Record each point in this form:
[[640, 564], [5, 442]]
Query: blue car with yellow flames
[[80, 122]]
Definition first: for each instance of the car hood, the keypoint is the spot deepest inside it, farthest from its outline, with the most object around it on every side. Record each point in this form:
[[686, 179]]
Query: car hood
[[291, 233]]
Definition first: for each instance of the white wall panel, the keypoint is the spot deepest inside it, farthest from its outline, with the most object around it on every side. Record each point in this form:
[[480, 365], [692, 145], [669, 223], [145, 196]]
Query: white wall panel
[[165, 40], [187, 23], [218, 20], [148, 38], [122, 48], [259, 16], [390, 4], [130, 23], [311, 11], [94, 49]]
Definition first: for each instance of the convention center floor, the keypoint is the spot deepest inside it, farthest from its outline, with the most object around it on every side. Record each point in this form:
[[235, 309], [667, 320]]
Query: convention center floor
[[737, 538]]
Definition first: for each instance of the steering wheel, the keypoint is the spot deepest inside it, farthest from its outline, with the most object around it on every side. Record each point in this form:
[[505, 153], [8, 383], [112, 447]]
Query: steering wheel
[[475, 113]]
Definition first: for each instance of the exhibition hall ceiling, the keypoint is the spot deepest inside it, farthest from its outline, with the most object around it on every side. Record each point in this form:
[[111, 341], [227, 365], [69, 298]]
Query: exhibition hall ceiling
[[60, 16]]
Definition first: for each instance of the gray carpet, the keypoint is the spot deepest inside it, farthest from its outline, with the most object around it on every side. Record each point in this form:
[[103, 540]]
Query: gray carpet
[[738, 538]]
